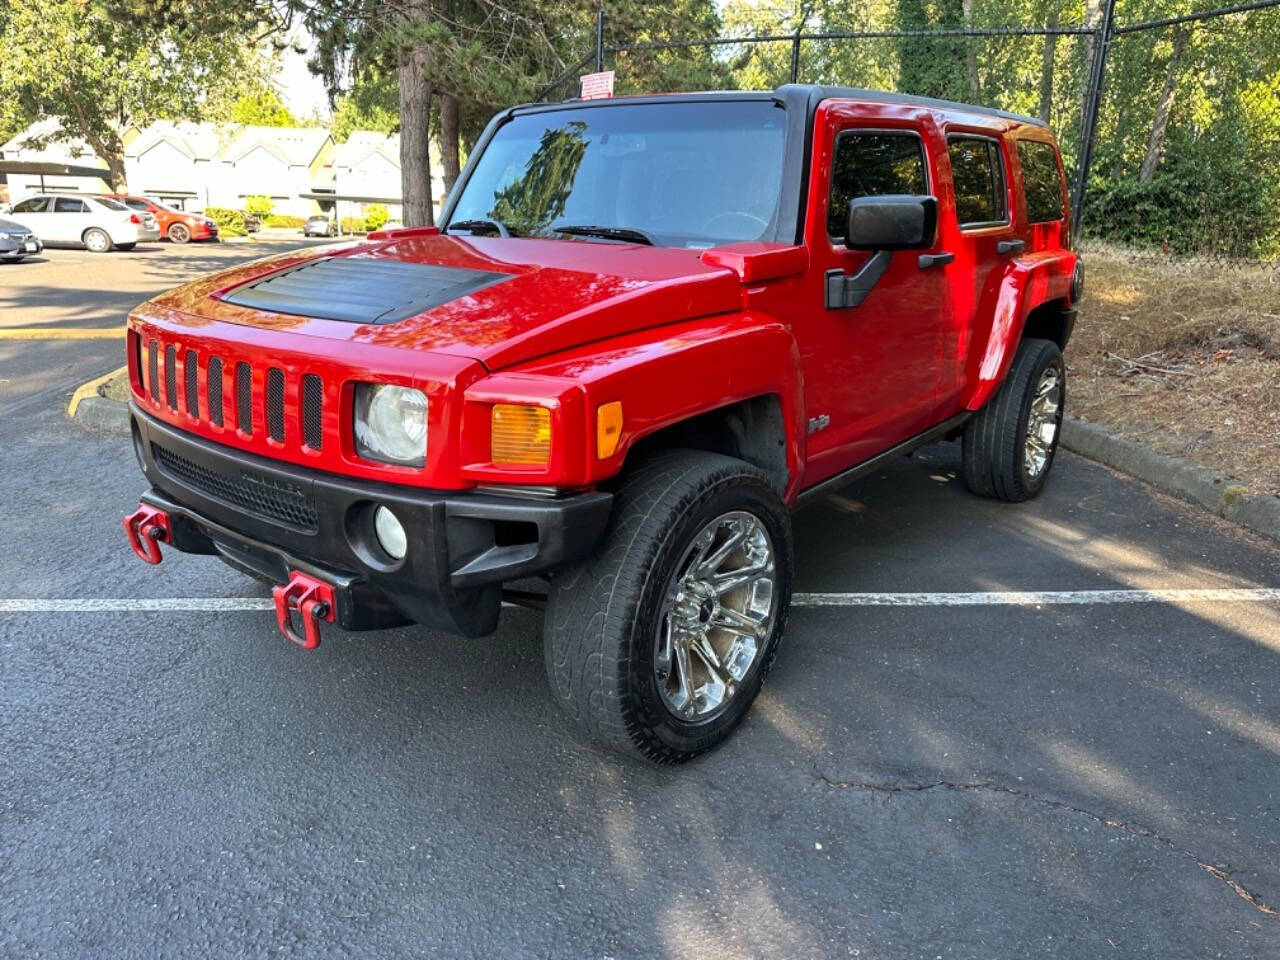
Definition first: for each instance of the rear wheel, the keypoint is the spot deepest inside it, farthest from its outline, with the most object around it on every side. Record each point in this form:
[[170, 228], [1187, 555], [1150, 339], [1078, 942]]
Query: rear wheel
[[178, 233], [11, 259], [1009, 447], [125, 247], [659, 643], [96, 241]]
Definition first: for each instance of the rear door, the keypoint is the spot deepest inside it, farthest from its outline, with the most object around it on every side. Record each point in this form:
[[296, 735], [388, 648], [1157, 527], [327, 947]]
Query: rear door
[[980, 231], [70, 219]]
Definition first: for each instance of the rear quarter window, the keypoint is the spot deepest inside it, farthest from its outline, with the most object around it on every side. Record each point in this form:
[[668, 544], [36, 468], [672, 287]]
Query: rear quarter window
[[1040, 181], [873, 164]]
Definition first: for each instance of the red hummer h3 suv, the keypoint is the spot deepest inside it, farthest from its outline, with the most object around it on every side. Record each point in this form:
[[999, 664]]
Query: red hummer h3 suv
[[644, 330]]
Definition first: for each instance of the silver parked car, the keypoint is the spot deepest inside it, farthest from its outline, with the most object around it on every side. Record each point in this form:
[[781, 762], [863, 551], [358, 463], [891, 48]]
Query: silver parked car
[[96, 223], [319, 225], [16, 241]]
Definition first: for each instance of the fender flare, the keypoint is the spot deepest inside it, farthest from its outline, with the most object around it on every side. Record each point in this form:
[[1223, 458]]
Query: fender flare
[[666, 375], [1008, 298]]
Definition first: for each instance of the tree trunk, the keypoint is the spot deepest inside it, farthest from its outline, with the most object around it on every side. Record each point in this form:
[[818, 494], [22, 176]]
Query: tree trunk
[[1164, 106], [1092, 20], [1048, 54], [109, 150], [970, 53], [415, 127], [449, 140]]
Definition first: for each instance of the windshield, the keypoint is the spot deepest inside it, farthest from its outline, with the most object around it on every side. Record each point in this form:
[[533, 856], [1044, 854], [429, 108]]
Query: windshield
[[683, 174]]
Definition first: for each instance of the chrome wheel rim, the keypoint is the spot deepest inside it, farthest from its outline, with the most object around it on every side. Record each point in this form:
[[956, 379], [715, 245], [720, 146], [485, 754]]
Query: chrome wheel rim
[[178, 233], [717, 613], [1042, 422]]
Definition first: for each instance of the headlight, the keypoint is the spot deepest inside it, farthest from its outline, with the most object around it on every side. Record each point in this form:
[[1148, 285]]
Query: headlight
[[391, 424]]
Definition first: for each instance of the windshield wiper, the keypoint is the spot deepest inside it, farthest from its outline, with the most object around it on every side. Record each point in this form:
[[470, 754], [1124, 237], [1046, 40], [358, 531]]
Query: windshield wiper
[[471, 226], [626, 234]]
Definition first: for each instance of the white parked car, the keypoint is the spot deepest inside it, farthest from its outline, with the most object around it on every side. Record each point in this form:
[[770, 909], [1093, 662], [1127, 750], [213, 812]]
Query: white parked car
[[96, 223]]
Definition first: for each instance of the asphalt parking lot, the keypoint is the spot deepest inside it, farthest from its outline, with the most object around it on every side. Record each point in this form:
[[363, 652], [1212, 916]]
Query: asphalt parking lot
[[940, 766]]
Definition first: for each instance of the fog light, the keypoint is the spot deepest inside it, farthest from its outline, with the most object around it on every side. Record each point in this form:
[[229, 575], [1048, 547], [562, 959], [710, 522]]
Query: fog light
[[390, 533]]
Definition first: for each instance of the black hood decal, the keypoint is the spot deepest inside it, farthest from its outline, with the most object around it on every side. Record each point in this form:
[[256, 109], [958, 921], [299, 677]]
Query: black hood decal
[[360, 289]]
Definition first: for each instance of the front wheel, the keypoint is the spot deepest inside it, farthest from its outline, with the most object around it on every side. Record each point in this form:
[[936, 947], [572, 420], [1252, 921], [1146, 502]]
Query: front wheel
[[178, 233], [659, 643], [1009, 447]]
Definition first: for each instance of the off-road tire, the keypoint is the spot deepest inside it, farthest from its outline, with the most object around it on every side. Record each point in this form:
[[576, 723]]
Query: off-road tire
[[992, 447], [602, 615], [179, 233], [95, 240]]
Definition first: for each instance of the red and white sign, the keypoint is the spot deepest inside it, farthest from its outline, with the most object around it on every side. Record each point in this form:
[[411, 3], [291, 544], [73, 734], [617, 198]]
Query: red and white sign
[[597, 86]]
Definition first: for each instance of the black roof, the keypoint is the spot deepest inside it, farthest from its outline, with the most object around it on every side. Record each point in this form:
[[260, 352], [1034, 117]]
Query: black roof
[[811, 93]]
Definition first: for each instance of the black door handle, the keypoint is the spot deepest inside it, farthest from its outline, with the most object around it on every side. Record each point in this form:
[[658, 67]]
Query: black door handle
[[1010, 246], [928, 260]]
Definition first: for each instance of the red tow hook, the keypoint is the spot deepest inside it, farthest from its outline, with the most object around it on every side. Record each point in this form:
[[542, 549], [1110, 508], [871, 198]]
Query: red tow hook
[[314, 601], [146, 529]]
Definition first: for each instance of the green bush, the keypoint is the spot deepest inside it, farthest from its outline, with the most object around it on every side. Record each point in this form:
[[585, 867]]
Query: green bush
[[230, 222], [259, 205], [284, 220], [354, 225], [376, 216]]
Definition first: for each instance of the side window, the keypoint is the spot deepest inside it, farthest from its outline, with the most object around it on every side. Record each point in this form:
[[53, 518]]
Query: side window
[[34, 205], [68, 205], [1040, 181], [978, 176], [872, 165]]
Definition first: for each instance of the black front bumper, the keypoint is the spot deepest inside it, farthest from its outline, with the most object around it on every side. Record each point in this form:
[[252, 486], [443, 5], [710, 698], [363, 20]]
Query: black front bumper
[[274, 518]]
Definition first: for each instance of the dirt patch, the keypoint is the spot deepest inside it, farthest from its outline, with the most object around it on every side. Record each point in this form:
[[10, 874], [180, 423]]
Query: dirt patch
[[1184, 358]]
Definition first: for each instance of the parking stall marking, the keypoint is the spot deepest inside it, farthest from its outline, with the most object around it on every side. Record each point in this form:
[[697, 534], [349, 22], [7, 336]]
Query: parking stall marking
[[999, 598]]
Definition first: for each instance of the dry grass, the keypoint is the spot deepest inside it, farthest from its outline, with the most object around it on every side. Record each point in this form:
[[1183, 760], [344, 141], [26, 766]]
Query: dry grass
[[1185, 358]]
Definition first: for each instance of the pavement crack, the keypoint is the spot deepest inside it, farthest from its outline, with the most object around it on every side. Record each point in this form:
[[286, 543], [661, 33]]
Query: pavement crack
[[987, 786]]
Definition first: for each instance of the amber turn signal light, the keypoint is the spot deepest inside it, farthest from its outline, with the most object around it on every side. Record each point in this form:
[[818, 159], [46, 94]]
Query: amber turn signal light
[[520, 435], [608, 429]]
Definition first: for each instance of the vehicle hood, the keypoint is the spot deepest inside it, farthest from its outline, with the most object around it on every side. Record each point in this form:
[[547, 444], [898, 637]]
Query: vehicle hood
[[497, 300]]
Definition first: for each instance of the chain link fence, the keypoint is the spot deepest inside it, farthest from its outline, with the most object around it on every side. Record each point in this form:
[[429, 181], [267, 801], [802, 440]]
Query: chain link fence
[[1170, 129]]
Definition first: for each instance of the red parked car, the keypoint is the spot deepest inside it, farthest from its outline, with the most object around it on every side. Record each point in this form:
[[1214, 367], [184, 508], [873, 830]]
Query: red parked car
[[646, 329], [178, 225]]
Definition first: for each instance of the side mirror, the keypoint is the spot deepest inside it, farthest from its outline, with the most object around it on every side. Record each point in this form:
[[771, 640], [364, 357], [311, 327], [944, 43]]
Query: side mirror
[[896, 222]]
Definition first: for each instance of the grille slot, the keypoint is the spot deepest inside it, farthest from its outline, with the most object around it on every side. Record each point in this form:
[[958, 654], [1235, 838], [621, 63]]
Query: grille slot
[[171, 377], [191, 373], [276, 500], [153, 371], [244, 398], [275, 404], [214, 390], [312, 411]]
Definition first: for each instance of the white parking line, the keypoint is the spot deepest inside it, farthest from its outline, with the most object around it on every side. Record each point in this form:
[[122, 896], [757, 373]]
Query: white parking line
[[1000, 598], [1035, 598]]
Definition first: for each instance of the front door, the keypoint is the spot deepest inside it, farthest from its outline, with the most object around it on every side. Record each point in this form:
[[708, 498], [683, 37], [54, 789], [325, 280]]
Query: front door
[[871, 371]]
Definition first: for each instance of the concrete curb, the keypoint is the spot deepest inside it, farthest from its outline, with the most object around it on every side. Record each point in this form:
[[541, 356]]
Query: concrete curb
[[1211, 489], [99, 413]]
